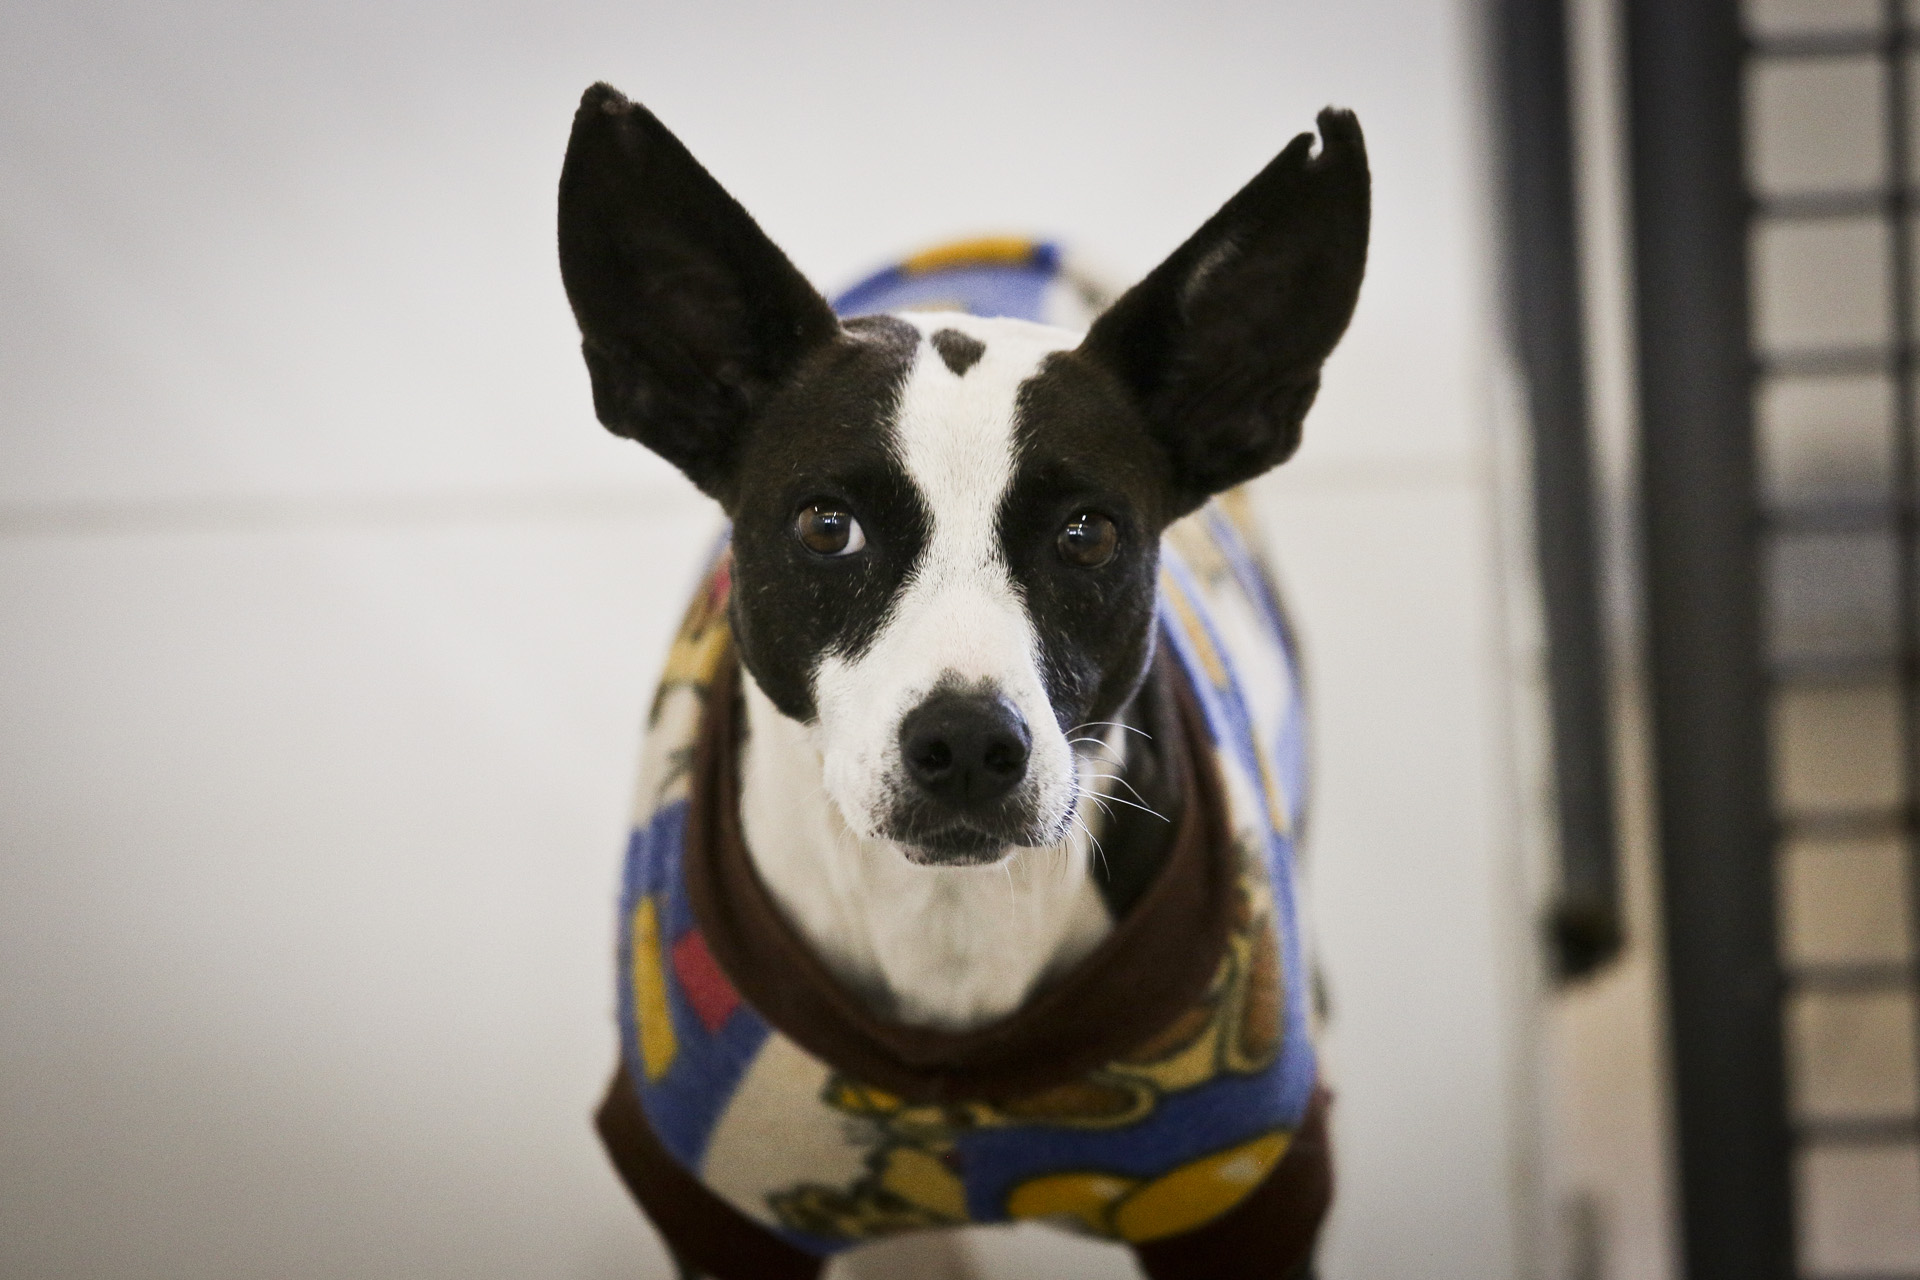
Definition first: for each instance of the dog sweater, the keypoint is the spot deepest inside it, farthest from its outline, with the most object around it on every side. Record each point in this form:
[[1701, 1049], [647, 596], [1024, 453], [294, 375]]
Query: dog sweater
[[1162, 1093]]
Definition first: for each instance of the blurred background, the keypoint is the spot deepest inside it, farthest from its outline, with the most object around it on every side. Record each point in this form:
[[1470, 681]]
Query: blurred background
[[328, 614]]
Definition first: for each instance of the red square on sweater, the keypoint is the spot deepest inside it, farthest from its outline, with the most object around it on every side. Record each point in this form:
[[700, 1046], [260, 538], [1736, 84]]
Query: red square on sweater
[[707, 989]]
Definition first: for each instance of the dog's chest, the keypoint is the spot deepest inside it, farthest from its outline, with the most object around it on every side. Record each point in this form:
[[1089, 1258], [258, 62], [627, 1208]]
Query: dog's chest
[[950, 948]]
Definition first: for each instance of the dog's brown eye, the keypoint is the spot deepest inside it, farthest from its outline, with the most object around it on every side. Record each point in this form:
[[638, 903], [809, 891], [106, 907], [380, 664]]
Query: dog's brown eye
[[1089, 540], [827, 530]]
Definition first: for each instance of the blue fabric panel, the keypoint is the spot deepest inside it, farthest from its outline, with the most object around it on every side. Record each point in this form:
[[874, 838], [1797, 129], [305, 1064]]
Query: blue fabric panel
[[1184, 1126], [684, 1105], [1015, 290]]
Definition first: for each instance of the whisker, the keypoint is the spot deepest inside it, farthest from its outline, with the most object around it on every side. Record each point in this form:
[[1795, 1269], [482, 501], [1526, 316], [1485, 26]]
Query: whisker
[[1131, 804], [1111, 724], [1121, 779], [1095, 842]]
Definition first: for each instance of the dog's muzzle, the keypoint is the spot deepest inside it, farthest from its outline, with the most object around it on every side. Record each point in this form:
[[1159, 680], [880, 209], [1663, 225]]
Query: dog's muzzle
[[965, 755]]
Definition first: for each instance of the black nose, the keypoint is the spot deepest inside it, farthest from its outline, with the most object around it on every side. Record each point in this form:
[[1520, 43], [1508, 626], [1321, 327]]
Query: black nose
[[965, 749]]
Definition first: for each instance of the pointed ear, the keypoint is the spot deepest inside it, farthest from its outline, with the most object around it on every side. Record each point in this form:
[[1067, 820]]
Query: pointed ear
[[1222, 344], [689, 316]]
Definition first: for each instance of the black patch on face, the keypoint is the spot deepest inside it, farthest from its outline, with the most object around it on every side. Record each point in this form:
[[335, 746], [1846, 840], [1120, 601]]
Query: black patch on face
[[958, 351], [826, 434], [1082, 445]]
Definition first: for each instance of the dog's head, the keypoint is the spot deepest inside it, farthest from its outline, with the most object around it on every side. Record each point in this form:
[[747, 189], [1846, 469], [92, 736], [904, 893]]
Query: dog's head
[[946, 529]]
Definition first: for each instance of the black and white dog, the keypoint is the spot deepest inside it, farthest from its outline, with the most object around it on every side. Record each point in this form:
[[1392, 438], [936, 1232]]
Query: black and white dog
[[945, 553]]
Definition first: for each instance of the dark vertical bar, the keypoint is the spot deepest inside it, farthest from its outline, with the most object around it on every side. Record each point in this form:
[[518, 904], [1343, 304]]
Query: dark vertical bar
[[1546, 331], [1707, 680], [1905, 493]]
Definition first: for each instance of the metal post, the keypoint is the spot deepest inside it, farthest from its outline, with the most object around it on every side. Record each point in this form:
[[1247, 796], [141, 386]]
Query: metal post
[[1546, 331], [1906, 483], [1705, 662]]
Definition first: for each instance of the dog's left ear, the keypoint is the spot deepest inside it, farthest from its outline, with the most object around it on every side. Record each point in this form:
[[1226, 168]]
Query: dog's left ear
[[689, 315], [1222, 343]]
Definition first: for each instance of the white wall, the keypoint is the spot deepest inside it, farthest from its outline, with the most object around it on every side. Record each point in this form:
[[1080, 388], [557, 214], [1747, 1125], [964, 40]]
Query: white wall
[[327, 614]]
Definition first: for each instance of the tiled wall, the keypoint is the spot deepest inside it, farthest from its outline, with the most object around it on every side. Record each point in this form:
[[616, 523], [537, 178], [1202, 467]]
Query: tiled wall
[[1821, 130]]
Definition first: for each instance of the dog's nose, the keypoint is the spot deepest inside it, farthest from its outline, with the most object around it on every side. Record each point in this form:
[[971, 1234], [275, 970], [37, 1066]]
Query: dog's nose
[[967, 750]]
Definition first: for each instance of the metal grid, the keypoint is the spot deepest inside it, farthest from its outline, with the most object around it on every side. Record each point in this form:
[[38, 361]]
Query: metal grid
[[1831, 239]]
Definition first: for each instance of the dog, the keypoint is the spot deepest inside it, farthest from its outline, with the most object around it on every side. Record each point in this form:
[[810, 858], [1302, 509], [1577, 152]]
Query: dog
[[961, 880]]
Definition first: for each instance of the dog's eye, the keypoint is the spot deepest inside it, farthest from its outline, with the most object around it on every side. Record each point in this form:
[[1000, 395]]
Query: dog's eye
[[1088, 540], [827, 530]]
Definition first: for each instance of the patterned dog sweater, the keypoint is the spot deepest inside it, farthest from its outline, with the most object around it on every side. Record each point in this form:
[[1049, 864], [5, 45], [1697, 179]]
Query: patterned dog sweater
[[1162, 1093]]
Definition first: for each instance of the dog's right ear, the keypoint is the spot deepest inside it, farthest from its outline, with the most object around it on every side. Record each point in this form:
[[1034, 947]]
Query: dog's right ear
[[1222, 343], [689, 316]]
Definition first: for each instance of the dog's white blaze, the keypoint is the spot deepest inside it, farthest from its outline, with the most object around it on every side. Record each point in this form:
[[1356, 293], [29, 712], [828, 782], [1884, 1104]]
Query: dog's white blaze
[[960, 615], [951, 947]]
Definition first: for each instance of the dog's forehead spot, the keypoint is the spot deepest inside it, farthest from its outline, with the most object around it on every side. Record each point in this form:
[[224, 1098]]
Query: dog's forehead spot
[[956, 436], [959, 351], [1012, 343]]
